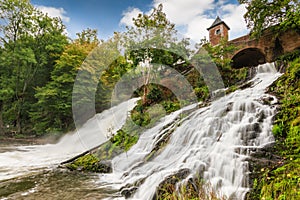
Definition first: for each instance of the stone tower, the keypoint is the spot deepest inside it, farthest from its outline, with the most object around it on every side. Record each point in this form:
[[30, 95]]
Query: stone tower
[[218, 30]]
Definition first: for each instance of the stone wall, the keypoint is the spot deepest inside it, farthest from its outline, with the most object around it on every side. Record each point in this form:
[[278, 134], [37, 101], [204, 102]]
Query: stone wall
[[269, 44]]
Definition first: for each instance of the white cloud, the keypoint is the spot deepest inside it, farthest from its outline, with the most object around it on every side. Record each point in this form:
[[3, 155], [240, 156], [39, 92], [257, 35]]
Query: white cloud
[[196, 28], [231, 14], [233, 17], [54, 12], [195, 16], [129, 15], [183, 12]]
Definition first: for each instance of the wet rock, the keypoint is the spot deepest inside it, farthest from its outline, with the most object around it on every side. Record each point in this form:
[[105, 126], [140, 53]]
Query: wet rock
[[246, 85], [255, 127], [104, 166], [261, 116], [128, 192], [173, 179], [251, 135], [267, 100], [169, 183], [129, 189], [89, 166], [229, 107], [262, 158], [232, 197]]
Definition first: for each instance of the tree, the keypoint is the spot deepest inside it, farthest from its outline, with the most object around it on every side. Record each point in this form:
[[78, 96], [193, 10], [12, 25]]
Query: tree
[[95, 80], [262, 14], [110, 77], [151, 43], [53, 110], [219, 56], [31, 42]]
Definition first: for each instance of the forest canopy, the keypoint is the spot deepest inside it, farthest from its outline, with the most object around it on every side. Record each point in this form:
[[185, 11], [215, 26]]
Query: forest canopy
[[262, 14]]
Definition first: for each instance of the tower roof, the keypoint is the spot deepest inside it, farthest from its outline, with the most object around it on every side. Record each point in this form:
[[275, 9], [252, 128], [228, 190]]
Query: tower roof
[[217, 22]]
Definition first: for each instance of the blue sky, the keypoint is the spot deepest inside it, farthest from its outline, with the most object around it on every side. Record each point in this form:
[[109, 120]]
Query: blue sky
[[191, 17]]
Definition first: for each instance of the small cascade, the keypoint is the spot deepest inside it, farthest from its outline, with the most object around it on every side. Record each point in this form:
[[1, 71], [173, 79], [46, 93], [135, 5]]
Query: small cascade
[[27, 159], [212, 142]]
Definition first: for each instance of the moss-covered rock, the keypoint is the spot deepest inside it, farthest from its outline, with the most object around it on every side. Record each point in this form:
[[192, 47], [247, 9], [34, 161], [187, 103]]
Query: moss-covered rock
[[90, 163], [195, 188]]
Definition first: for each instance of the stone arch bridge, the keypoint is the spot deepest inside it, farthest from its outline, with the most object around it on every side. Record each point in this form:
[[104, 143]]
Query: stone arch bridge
[[252, 52]]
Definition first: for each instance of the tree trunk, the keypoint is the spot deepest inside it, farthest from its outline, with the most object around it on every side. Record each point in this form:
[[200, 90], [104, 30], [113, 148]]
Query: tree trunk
[[145, 95], [18, 122], [2, 132], [18, 116]]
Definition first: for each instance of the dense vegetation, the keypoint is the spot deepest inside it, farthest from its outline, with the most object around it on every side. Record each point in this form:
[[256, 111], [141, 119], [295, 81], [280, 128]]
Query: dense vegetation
[[281, 180], [277, 15], [31, 42]]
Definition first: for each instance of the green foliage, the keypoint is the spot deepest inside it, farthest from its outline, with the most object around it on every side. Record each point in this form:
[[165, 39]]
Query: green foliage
[[154, 95], [16, 186], [140, 118], [262, 14], [87, 36], [124, 140], [53, 111], [290, 56], [152, 32], [202, 92], [88, 163], [30, 42], [282, 183], [278, 130], [153, 40], [220, 56], [283, 180], [170, 106]]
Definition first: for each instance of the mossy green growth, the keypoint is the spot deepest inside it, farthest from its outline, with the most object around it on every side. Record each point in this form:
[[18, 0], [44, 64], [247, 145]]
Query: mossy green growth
[[290, 56], [282, 182], [171, 106], [88, 162], [232, 89], [124, 140]]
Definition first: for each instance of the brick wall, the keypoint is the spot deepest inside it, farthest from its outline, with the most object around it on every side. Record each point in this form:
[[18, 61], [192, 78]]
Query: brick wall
[[215, 35]]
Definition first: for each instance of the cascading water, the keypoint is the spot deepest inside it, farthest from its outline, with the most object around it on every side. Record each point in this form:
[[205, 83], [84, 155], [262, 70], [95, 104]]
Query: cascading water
[[27, 159], [212, 142]]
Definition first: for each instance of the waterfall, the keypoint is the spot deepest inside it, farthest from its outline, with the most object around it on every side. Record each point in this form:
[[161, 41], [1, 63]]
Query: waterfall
[[22, 160], [213, 142]]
